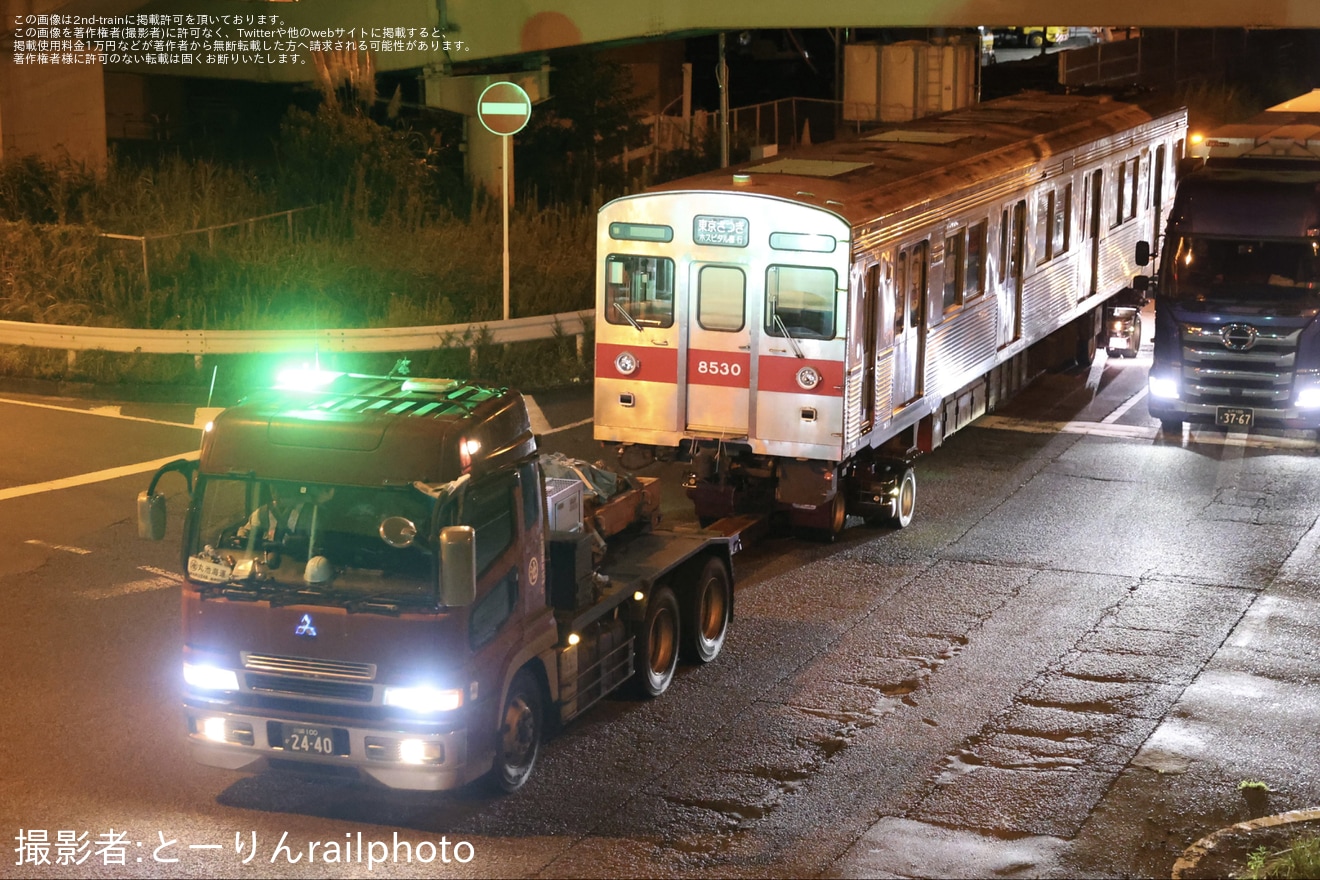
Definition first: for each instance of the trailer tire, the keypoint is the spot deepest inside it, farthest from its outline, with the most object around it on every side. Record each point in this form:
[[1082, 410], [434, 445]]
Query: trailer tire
[[707, 609], [657, 644], [519, 735], [905, 503]]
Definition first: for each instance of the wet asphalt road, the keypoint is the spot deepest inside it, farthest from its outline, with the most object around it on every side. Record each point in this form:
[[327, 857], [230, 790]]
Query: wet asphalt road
[[1090, 634]]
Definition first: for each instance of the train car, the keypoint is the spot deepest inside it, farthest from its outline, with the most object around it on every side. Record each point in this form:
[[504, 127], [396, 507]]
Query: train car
[[799, 328]]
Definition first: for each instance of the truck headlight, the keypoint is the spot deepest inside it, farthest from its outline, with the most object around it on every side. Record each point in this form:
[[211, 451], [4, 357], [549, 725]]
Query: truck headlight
[[1309, 398], [1165, 387], [205, 677], [423, 700]]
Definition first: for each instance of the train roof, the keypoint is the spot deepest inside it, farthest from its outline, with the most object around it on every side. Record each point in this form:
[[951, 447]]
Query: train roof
[[369, 430], [869, 176]]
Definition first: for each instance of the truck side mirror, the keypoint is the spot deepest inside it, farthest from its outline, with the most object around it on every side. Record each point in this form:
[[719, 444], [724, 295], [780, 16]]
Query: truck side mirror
[[458, 566], [151, 516], [1141, 284], [1143, 253]]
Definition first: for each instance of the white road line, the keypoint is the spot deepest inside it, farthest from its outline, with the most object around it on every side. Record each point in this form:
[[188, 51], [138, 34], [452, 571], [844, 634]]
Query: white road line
[[1208, 437], [579, 423], [93, 477], [539, 423], [142, 586], [151, 569], [1125, 406], [65, 547], [109, 412]]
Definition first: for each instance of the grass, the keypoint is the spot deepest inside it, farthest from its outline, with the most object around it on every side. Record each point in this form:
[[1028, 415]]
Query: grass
[[333, 267], [1300, 859]]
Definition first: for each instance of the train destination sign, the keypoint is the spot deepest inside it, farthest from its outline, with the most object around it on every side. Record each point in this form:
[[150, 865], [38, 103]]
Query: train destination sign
[[720, 231]]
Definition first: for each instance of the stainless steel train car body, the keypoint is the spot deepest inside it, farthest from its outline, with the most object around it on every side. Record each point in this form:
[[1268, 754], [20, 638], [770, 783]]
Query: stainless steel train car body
[[956, 243]]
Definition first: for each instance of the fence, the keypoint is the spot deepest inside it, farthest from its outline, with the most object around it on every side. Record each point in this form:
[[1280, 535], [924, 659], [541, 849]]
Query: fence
[[211, 342], [1158, 57]]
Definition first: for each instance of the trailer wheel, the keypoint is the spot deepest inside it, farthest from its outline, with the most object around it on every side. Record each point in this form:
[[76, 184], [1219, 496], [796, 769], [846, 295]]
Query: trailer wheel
[[707, 608], [1087, 343], [657, 644], [519, 734], [905, 503]]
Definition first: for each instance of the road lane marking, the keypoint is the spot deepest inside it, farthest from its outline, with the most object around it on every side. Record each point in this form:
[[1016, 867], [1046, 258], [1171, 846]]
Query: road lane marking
[[539, 423], [172, 575], [65, 547], [1125, 406], [579, 423], [1207, 437], [94, 477], [108, 412], [128, 589]]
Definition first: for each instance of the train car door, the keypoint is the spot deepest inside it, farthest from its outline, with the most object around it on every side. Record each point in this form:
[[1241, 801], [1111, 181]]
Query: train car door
[[719, 360], [1093, 226], [862, 344], [910, 324], [1010, 292]]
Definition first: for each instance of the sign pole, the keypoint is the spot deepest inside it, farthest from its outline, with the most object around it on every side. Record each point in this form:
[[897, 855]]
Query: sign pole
[[504, 200], [504, 108]]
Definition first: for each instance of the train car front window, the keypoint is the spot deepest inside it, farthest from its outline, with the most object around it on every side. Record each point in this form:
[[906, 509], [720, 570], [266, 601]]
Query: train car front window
[[639, 290], [721, 298], [803, 299]]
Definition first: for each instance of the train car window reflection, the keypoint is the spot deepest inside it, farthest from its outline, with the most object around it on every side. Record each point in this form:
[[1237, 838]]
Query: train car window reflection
[[802, 298], [1060, 223], [721, 298], [640, 288], [1044, 217]]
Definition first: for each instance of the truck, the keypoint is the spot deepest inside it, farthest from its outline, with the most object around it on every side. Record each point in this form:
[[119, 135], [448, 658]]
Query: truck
[[383, 576], [1237, 290]]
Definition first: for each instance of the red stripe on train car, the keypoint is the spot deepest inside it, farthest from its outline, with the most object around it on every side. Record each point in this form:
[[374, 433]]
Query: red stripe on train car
[[779, 373], [653, 364], [730, 369]]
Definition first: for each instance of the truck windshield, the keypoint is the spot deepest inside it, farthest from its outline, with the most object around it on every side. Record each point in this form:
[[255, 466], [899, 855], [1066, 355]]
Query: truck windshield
[[333, 544], [1244, 270]]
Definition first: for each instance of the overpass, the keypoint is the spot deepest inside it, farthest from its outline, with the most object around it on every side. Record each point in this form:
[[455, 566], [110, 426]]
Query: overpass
[[475, 42]]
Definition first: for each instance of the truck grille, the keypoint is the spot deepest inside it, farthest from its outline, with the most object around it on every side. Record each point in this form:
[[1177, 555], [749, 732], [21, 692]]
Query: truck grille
[[1261, 375], [308, 687], [309, 666]]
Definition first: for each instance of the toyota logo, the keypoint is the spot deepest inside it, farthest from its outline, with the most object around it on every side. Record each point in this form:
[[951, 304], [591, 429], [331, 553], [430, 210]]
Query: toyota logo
[[1238, 337]]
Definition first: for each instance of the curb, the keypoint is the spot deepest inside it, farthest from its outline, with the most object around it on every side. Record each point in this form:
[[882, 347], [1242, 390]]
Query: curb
[[1192, 856]]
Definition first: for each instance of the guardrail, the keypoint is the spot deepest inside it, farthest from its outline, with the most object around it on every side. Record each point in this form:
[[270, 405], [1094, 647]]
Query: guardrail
[[212, 342]]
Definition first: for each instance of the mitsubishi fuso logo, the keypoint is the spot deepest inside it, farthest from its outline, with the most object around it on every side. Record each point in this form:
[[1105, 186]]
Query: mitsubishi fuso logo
[[305, 627], [1238, 337]]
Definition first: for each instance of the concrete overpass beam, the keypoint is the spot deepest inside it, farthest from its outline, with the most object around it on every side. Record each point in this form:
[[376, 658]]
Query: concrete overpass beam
[[484, 162]]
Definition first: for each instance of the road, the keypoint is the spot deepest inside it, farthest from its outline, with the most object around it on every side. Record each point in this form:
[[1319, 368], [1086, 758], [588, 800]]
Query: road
[[1022, 682]]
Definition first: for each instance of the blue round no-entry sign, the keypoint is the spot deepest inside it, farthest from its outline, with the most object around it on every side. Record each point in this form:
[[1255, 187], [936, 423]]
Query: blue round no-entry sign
[[504, 108]]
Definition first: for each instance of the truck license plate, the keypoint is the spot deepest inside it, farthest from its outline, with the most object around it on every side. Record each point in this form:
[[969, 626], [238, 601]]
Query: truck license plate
[[314, 740], [1118, 342], [1234, 416]]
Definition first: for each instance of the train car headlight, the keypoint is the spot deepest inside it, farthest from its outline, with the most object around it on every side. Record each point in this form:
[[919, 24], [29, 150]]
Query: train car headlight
[[808, 378], [626, 363]]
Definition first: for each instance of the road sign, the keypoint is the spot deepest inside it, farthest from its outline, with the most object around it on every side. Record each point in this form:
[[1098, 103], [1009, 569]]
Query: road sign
[[504, 108]]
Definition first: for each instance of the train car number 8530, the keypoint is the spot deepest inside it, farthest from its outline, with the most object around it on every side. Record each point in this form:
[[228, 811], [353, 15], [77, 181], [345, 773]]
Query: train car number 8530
[[719, 368]]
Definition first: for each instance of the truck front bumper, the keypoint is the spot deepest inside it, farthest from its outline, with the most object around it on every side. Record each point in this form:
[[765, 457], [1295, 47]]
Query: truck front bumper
[[235, 739]]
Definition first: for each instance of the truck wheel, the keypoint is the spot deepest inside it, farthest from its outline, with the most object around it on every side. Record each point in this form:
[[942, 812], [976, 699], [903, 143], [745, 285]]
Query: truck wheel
[[1037, 40], [905, 504], [657, 644], [519, 734], [706, 612]]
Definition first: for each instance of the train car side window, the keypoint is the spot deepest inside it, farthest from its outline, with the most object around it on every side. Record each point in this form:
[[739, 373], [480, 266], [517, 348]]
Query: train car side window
[[721, 298], [954, 246], [974, 277], [1120, 189], [1136, 177], [1061, 222], [1044, 217], [1003, 245], [800, 300], [639, 289], [917, 282]]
